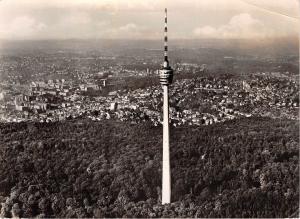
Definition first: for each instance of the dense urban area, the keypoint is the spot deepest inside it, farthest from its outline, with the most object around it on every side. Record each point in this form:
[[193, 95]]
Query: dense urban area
[[81, 133], [48, 87]]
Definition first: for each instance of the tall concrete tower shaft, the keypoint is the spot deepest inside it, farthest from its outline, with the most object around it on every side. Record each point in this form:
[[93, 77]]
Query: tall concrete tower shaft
[[166, 77], [166, 169]]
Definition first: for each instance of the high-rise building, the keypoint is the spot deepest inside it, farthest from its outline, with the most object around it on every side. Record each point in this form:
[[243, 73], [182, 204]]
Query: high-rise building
[[166, 77]]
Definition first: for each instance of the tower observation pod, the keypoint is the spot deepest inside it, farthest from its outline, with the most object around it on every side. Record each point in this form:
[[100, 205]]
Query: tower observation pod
[[166, 77]]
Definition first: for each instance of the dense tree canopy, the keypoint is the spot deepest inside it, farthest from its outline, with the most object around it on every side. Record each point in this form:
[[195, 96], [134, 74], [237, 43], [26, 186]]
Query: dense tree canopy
[[80, 168]]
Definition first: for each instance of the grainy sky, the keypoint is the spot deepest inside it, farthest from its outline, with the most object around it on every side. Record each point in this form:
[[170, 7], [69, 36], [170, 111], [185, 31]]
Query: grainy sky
[[143, 19]]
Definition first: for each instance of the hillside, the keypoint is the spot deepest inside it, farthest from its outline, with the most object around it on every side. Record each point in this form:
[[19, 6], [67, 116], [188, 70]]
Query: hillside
[[80, 168]]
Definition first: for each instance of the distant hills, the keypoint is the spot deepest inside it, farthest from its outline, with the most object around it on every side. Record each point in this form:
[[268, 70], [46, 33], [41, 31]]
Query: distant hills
[[283, 46]]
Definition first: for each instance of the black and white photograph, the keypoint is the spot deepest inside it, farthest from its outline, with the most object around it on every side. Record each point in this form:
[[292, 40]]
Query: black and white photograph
[[149, 108]]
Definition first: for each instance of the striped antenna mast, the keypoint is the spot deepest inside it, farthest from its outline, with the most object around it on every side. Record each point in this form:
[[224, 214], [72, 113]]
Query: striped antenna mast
[[166, 61]]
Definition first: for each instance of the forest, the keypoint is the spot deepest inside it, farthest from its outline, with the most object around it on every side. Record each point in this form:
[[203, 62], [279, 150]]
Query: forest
[[80, 168]]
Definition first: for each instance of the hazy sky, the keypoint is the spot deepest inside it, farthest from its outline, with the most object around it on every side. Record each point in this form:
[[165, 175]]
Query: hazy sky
[[63, 19]]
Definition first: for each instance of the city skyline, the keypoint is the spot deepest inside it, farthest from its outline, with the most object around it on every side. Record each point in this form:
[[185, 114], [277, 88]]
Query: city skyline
[[251, 19]]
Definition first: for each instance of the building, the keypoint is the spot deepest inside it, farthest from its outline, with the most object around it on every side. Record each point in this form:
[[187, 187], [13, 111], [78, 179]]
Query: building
[[113, 106], [166, 77]]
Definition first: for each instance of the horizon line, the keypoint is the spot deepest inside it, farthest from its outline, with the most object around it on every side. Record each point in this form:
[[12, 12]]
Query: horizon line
[[296, 36]]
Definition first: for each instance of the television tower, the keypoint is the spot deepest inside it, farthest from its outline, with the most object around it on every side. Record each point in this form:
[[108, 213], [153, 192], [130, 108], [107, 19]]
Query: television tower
[[166, 77]]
